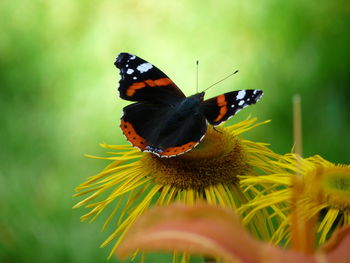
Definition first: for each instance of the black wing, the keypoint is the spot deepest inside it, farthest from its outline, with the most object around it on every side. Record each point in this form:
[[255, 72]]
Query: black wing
[[222, 107], [141, 81], [146, 125]]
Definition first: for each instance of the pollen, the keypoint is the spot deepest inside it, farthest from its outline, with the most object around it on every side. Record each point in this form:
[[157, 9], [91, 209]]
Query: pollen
[[218, 159]]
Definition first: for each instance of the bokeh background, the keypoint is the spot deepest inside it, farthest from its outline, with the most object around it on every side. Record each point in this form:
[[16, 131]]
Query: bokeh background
[[58, 96]]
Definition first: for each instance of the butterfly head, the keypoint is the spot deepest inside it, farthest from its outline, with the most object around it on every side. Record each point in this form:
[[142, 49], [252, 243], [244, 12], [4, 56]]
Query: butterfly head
[[199, 96]]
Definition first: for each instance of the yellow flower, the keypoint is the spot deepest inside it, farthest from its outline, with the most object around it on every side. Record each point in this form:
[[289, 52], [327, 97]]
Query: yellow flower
[[134, 181], [325, 194]]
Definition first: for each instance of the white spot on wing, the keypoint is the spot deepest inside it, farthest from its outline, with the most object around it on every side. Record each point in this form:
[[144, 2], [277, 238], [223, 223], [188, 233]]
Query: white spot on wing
[[132, 57], [129, 71], [241, 102], [144, 67], [134, 77], [240, 95]]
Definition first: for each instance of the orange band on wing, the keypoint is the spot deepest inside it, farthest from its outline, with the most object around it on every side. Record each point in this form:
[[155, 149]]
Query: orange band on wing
[[135, 86], [221, 101], [163, 82], [151, 83], [171, 151], [132, 135]]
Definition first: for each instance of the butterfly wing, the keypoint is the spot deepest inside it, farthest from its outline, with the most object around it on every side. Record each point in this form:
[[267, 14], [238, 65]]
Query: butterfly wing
[[141, 81], [147, 126], [222, 107], [181, 137]]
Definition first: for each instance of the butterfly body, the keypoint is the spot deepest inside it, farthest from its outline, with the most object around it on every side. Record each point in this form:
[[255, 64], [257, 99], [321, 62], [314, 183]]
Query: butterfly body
[[187, 106], [163, 120]]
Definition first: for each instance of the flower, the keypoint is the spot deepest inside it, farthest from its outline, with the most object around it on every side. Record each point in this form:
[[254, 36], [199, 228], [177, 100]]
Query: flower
[[324, 194], [217, 232], [134, 181]]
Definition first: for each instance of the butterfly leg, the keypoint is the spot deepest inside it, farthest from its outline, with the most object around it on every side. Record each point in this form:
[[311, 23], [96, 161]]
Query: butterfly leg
[[217, 130]]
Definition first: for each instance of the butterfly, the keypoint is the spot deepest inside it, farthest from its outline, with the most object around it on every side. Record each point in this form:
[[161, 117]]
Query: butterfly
[[162, 120]]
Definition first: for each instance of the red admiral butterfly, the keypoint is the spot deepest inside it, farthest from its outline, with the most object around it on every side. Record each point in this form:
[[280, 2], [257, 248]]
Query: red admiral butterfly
[[163, 120]]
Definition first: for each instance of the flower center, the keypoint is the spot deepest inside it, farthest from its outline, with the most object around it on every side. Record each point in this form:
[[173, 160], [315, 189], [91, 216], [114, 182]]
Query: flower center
[[336, 187], [218, 159], [330, 185]]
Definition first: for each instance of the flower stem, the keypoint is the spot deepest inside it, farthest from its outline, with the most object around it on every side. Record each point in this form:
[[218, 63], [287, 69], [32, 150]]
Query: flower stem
[[297, 127], [303, 231]]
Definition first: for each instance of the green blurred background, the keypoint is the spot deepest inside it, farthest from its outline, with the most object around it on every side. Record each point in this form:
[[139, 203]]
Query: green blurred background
[[58, 95]]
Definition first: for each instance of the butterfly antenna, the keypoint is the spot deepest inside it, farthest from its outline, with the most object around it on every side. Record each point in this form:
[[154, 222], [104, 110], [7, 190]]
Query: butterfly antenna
[[197, 66], [221, 80]]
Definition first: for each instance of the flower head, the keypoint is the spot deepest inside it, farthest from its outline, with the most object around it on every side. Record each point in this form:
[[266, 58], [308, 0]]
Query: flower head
[[134, 181], [324, 193]]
